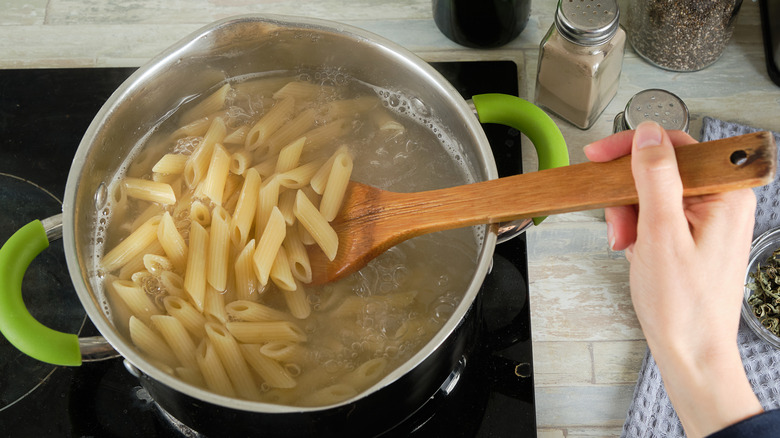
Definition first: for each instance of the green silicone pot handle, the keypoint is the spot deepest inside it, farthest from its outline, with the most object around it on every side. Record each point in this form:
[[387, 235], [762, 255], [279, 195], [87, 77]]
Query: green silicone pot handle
[[17, 325], [531, 121]]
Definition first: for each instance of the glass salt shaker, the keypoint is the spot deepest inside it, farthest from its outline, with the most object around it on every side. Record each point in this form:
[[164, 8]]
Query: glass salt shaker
[[660, 106], [580, 60], [681, 35]]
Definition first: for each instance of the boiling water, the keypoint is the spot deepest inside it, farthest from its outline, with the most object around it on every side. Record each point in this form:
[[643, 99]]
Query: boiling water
[[373, 321]]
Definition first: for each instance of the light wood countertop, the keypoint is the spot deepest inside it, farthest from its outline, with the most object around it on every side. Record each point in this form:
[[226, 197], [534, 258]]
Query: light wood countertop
[[587, 343]]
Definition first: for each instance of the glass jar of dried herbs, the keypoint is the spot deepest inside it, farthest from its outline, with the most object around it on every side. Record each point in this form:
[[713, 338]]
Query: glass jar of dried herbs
[[681, 35], [761, 306]]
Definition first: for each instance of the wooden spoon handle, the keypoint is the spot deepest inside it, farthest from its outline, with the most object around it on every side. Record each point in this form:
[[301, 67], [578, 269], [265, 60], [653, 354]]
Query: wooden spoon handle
[[710, 167]]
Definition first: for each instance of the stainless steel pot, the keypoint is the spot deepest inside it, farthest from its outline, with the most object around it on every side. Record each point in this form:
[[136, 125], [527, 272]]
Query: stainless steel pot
[[226, 49]]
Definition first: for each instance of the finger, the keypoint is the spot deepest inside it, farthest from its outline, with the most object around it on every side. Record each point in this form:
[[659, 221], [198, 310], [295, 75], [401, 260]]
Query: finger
[[609, 148], [658, 184], [618, 145], [621, 226], [729, 215]]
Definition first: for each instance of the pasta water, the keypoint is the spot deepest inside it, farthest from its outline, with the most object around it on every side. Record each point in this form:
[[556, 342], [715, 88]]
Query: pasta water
[[207, 225]]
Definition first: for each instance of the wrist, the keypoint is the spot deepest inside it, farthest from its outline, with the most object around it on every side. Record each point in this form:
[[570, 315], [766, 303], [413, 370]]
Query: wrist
[[709, 390]]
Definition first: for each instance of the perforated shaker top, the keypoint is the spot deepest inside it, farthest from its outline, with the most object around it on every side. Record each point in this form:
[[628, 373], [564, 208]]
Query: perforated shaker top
[[587, 22]]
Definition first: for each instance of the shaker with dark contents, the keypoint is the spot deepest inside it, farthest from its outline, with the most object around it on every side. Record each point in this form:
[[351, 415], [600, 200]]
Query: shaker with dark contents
[[681, 35], [654, 104], [580, 60]]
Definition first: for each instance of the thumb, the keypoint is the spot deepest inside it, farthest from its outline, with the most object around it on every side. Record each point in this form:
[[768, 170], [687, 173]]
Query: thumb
[[658, 183]]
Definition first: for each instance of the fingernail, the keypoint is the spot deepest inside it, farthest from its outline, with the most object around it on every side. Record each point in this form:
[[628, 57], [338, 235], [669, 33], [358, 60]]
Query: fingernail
[[648, 134], [610, 236]]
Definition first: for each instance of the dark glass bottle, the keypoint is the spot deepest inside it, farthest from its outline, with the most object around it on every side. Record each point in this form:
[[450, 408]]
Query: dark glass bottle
[[481, 23]]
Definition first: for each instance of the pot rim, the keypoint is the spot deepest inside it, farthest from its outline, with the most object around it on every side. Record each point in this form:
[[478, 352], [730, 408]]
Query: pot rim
[[168, 57]]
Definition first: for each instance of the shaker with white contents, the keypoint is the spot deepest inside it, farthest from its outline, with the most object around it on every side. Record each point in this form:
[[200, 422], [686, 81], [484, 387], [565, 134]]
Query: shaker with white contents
[[580, 60]]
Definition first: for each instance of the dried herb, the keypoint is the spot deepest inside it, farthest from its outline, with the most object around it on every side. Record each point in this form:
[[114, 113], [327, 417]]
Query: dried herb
[[764, 299]]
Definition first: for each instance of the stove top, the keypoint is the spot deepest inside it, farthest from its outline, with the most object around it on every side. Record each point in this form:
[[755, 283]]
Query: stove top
[[44, 113]]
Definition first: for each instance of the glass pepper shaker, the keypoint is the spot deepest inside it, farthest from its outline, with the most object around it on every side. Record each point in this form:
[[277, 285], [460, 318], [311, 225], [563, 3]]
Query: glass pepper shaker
[[660, 106], [580, 60]]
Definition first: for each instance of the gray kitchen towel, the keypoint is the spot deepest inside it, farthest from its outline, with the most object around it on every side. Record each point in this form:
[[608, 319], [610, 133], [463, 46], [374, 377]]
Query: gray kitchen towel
[[651, 413]]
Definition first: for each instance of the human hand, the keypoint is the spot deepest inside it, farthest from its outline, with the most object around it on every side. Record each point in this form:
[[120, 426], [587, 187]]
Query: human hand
[[688, 259]]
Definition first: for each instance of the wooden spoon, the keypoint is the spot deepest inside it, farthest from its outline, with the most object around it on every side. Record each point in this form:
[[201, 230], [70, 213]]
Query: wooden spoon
[[372, 220]]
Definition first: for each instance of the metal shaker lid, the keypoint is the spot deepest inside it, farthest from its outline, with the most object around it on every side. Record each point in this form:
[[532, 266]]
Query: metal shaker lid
[[658, 105], [587, 22]]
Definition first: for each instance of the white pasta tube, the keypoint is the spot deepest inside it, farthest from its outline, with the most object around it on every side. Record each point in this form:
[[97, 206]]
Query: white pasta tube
[[302, 90], [298, 257], [136, 299], [266, 166], [238, 136], [195, 276], [332, 197], [200, 213], [240, 161], [214, 306], [246, 281], [212, 103], [300, 176], [244, 214], [244, 310], [284, 351], [219, 249], [366, 374], [269, 123], [329, 395], [281, 274], [286, 205], [151, 211], [172, 242], [173, 284], [132, 245], [320, 178], [198, 164], [272, 373], [171, 164], [290, 155], [292, 130], [320, 230], [192, 319], [260, 332], [136, 264], [192, 376], [268, 245], [350, 107], [157, 264], [297, 303], [216, 177], [151, 343], [213, 371], [177, 338], [267, 201], [230, 355], [325, 134]]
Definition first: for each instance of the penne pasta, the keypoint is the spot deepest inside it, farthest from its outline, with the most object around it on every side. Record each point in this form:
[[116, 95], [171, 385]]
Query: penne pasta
[[297, 302], [298, 177], [192, 319], [319, 228], [172, 242], [177, 338], [200, 214], [280, 272], [260, 332], [240, 162], [267, 201], [230, 355], [173, 284], [244, 214], [238, 136], [213, 371], [268, 245], [250, 311], [132, 245], [198, 164], [272, 373], [151, 343], [291, 130], [213, 103], [157, 264], [284, 351], [219, 249], [290, 155], [269, 123], [214, 306], [171, 164], [246, 281], [139, 303], [216, 176], [195, 276], [297, 256], [336, 186]]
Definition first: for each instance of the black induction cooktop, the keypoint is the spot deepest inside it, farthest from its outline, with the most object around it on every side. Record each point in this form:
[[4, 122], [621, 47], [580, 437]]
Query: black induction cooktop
[[44, 113]]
